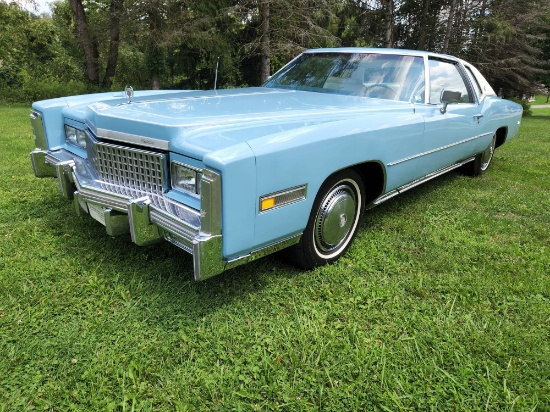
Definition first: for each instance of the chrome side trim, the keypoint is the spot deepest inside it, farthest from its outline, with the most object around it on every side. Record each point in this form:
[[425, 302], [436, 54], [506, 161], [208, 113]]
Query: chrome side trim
[[284, 197], [142, 231], [207, 256], [133, 139], [116, 223], [176, 226], [103, 197], [207, 246], [209, 263], [40, 166], [65, 178], [211, 203], [418, 182], [438, 149], [183, 244], [267, 250], [38, 131]]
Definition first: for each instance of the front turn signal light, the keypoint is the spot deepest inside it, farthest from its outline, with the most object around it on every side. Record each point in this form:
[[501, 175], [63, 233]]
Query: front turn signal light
[[267, 204]]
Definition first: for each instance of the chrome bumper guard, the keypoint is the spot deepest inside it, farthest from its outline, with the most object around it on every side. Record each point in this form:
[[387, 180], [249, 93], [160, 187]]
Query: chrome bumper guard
[[149, 218]]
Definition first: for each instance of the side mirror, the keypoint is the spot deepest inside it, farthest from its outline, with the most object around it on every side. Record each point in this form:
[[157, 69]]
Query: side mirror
[[448, 96]]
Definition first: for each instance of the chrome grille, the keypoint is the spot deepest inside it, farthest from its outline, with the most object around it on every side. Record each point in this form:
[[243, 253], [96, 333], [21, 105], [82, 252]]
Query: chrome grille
[[136, 169]]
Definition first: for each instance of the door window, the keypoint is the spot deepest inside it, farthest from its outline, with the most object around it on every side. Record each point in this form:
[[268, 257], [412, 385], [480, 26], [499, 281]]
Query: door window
[[446, 76]]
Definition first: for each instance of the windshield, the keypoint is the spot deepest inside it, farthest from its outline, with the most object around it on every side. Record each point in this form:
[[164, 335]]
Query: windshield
[[381, 76]]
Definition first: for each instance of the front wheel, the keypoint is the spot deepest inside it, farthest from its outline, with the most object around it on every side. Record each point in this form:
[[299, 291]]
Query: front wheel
[[333, 222], [482, 160]]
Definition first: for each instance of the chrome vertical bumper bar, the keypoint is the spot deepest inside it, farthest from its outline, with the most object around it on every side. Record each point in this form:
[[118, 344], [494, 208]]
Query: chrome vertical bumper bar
[[149, 218]]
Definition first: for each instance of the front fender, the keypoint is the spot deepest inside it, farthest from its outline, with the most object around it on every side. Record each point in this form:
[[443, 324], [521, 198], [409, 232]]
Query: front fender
[[309, 155], [237, 167]]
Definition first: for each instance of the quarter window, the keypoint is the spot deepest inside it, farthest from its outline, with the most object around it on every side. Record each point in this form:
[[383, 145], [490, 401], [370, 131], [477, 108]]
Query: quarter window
[[446, 76], [475, 83]]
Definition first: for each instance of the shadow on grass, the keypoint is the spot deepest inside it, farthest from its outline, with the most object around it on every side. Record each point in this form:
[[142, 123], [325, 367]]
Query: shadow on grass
[[158, 270], [165, 270], [540, 115]]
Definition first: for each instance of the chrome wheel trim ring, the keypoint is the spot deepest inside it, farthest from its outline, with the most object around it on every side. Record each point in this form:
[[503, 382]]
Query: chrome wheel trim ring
[[336, 219], [487, 155]]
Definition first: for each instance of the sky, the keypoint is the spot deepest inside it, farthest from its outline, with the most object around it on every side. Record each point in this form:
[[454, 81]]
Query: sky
[[42, 5]]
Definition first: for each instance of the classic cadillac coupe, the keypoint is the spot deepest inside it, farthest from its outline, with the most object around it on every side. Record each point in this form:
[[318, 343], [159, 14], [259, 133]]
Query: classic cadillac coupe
[[232, 175]]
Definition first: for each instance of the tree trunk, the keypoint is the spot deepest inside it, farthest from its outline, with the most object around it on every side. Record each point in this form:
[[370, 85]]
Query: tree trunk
[[115, 11], [89, 46], [450, 23], [265, 46], [388, 17], [481, 24], [154, 53], [424, 25]]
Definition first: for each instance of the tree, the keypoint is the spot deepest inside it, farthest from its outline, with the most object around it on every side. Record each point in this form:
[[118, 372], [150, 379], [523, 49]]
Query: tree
[[89, 45], [450, 22], [178, 43], [502, 45], [116, 9], [34, 64], [90, 42], [265, 41], [285, 27], [389, 9]]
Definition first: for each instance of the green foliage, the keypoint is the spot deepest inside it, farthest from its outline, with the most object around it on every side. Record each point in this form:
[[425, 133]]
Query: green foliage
[[131, 70], [48, 89], [34, 65], [33, 88], [525, 104], [10, 77], [179, 42], [442, 303]]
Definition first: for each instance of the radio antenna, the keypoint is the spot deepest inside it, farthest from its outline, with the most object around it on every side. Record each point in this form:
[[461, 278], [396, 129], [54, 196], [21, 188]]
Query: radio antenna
[[216, 76]]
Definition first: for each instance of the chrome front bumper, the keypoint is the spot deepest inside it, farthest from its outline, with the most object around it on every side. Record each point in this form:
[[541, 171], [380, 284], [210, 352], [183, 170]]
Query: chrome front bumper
[[148, 217]]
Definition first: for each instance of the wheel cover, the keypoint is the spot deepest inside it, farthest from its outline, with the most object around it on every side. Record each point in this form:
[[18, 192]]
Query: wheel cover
[[336, 216], [487, 155]]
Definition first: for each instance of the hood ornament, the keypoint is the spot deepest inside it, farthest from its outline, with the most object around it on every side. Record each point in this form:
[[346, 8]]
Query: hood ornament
[[129, 92]]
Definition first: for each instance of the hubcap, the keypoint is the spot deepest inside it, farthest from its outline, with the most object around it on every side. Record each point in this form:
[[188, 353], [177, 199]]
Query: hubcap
[[335, 218]]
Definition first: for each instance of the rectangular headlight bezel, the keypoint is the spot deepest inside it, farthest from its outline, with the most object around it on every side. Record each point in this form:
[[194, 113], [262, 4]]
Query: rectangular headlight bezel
[[185, 178], [75, 136]]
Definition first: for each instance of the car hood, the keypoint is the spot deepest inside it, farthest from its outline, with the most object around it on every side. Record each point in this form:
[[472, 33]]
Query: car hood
[[197, 123]]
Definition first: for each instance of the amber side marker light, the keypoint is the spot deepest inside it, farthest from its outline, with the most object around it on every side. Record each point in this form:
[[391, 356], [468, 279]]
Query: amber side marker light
[[267, 204], [282, 198]]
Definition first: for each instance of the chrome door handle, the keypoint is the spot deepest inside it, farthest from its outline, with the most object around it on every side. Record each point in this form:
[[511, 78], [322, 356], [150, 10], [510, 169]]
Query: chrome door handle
[[478, 117]]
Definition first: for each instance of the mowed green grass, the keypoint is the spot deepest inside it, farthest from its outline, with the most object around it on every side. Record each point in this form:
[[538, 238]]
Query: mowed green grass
[[540, 99], [442, 303]]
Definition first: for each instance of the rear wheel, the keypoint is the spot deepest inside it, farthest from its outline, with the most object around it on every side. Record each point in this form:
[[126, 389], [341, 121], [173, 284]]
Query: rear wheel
[[333, 222], [482, 160]]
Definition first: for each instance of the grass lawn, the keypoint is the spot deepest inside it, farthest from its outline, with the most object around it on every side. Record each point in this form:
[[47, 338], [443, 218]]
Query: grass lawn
[[442, 303], [541, 99]]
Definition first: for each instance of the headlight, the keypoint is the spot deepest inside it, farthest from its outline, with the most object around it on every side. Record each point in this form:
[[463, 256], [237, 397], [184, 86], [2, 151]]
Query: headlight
[[70, 134], [186, 178], [81, 138], [75, 136]]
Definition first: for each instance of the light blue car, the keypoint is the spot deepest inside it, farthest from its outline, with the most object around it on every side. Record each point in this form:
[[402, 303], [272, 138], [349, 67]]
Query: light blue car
[[233, 175]]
